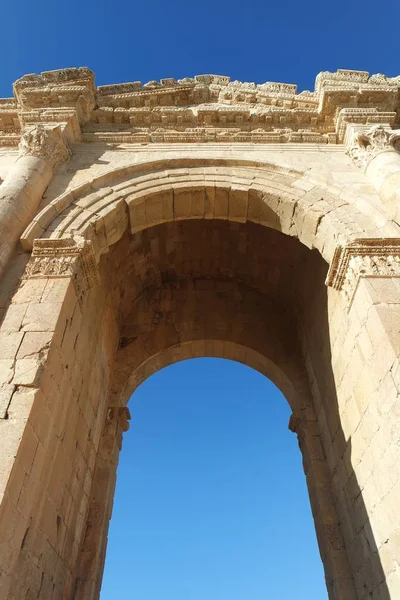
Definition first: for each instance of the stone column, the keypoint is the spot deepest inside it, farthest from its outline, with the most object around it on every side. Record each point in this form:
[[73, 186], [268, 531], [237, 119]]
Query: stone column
[[92, 556], [375, 151], [338, 575], [41, 150]]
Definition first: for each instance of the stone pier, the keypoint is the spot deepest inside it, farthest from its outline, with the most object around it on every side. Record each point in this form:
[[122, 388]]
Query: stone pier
[[141, 225]]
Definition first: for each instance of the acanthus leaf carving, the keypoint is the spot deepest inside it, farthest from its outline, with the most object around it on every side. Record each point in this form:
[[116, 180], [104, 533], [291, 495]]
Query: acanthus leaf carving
[[365, 146], [45, 142]]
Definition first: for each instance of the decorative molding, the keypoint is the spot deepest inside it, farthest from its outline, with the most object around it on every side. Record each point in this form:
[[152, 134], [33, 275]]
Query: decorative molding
[[117, 422], [295, 423], [365, 146], [120, 415], [374, 257], [65, 258], [200, 109], [44, 142]]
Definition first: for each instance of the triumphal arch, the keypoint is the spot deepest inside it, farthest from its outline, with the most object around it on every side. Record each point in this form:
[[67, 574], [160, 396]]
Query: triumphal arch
[[145, 224]]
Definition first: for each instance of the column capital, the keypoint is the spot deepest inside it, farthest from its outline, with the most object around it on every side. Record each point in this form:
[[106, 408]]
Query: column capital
[[46, 142], [370, 257], [117, 422], [364, 144], [65, 258], [120, 415]]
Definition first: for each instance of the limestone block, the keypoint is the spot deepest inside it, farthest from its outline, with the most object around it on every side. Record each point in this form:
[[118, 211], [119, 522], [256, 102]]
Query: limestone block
[[28, 371], [10, 343], [6, 392], [13, 318], [234, 278], [41, 317], [7, 367], [34, 343]]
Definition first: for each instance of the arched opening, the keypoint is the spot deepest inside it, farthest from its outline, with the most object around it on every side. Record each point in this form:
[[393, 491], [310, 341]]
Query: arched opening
[[195, 285], [216, 288], [211, 498]]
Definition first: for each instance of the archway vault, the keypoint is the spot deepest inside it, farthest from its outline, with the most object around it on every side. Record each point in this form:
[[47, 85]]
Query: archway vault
[[143, 195]]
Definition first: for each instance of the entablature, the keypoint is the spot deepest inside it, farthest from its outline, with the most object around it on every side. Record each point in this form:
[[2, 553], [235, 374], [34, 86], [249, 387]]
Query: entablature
[[199, 109]]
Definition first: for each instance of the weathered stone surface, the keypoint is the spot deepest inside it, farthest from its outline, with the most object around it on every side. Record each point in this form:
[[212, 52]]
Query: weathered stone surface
[[145, 254]]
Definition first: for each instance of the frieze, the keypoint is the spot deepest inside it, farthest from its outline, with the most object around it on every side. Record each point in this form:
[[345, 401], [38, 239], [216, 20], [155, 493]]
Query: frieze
[[374, 257], [64, 258], [115, 112]]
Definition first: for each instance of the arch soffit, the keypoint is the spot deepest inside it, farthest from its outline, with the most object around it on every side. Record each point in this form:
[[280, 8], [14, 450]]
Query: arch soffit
[[216, 349], [147, 194]]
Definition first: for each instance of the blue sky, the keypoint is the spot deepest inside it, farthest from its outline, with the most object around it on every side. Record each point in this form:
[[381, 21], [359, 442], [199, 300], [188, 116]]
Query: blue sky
[[211, 498], [256, 40]]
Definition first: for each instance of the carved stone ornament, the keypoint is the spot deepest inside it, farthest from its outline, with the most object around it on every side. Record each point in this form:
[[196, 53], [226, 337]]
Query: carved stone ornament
[[366, 146], [45, 142], [363, 258], [120, 415], [117, 422], [200, 109], [66, 258]]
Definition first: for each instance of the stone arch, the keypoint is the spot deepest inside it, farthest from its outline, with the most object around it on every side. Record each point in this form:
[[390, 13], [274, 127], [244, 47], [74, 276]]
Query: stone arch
[[212, 349], [146, 194], [68, 326], [86, 248]]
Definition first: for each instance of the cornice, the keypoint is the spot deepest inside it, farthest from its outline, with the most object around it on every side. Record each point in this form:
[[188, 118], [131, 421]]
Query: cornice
[[370, 257], [66, 258], [200, 109]]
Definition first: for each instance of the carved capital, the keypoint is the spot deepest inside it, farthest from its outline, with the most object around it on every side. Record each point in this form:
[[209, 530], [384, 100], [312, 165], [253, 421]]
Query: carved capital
[[296, 423], [299, 423], [65, 258], [365, 146], [117, 422], [45, 142], [119, 415], [374, 257]]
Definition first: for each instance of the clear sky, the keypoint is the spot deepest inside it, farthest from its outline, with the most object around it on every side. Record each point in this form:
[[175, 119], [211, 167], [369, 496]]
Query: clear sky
[[255, 40], [211, 499]]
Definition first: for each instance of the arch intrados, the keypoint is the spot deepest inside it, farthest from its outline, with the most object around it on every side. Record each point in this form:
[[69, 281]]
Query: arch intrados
[[117, 183], [212, 349], [100, 208]]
